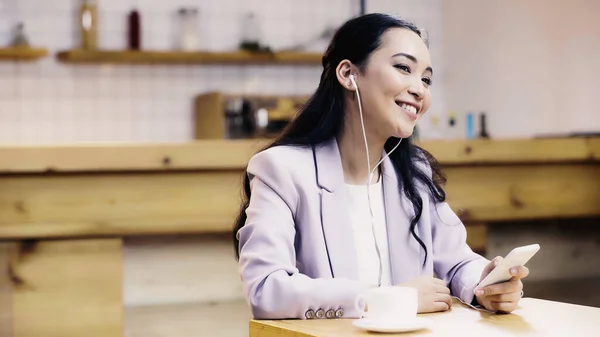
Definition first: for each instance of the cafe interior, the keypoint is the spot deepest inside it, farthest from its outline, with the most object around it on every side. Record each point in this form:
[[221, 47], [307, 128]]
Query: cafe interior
[[126, 127]]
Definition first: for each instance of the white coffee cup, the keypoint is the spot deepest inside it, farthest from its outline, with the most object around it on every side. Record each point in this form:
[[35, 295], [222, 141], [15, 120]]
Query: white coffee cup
[[390, 304]]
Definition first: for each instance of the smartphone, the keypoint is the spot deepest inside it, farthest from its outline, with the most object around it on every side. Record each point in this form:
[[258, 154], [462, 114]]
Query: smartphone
[[516, 258]]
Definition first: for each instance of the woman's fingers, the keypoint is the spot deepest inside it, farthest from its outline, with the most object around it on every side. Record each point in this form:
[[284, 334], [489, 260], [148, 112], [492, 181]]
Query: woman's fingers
[[511, 297], [441, 306], [444, 298], [503, 306], [501, 288], [490, 266], [442, 289], [518, 273], [439, 282]]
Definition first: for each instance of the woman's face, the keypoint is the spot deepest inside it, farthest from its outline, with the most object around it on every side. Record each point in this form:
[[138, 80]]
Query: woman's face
[[394, 87]]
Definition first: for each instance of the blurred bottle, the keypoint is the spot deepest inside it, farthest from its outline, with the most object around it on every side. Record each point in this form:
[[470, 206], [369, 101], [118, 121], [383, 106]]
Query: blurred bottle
[[262, 122], [19, 38], [234, 119], [251, 34], [135, 30], [483, 132], [470, 128], [88, 20], [188, 29]]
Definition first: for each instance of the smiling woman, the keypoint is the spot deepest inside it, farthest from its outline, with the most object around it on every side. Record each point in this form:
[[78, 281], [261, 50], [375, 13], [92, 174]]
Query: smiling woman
[[343, 201]]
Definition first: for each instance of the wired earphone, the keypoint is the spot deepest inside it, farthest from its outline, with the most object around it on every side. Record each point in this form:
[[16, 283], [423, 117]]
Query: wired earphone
[[371, 171]]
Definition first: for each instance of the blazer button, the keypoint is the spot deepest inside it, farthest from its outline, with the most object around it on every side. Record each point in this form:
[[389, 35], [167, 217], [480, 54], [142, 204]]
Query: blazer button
[[310, 314], [339, 313], [320, 313], [330, 313]]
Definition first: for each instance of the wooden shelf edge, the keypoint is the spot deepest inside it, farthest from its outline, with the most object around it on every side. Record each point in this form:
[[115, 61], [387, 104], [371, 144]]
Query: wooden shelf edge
[[22, 53], [233, 154], [175, 57], [90, 229]]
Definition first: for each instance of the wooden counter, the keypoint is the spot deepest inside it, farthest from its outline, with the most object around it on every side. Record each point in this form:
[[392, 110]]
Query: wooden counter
[[220, 154], [64, 211], [116, 190]]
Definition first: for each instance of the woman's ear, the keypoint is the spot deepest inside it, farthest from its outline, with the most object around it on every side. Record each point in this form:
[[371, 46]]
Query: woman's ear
[[343, 72]]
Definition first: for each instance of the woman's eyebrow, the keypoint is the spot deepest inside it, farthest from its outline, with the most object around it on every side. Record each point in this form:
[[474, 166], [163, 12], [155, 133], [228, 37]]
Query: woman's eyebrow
[[412, 58]]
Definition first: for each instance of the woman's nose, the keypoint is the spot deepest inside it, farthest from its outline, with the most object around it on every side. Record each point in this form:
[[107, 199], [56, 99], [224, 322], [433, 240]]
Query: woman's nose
[[417, 89]]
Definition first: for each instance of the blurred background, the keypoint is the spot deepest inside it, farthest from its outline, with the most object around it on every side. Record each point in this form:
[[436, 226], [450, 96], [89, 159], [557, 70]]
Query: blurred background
[[97, 98]]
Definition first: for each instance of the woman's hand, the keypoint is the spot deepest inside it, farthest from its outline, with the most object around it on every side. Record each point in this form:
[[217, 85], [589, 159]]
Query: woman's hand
[[502, 297], [433, 294]]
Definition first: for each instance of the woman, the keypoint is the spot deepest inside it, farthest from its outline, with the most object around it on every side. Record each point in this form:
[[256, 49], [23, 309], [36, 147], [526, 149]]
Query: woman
[[310, 238]]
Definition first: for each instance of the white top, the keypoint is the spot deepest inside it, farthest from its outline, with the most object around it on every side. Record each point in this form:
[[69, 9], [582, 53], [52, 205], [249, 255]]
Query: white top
[[361, 224]]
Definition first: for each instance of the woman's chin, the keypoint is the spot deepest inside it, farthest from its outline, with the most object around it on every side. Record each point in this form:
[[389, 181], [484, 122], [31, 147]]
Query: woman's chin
[[404, 132]]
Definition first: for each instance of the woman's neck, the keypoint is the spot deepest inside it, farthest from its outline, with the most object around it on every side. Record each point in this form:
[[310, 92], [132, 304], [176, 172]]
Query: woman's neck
[[352, 151]]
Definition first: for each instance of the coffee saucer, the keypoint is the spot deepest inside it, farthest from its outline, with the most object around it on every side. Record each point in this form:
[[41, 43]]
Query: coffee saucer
[[393, 326]]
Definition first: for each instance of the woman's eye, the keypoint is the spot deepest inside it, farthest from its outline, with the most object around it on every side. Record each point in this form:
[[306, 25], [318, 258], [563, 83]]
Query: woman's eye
[[426, 80], [403, 67]]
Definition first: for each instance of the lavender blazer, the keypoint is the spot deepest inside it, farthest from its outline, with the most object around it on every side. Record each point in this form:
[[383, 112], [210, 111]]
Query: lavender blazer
[[297, 258]]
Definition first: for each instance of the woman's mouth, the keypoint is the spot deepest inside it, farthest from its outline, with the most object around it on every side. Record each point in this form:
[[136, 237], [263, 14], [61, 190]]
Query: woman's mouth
[[409, 109]]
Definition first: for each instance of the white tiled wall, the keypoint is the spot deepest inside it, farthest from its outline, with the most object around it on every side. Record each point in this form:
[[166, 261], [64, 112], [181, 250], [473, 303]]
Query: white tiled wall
[[47, 102]]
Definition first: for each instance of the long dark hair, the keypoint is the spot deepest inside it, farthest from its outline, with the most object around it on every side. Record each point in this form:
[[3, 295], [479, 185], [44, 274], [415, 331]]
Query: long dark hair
[[322, 117]]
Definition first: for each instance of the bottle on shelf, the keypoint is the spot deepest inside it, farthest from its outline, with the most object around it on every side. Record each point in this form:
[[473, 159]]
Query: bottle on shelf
[[188, 29], [470, 127], [19, 38], [88, 23], [483, 132], [251, 33], [135, 30]]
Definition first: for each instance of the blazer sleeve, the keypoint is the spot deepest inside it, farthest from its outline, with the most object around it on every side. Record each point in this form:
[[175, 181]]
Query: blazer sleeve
[[273, 286], [454, 261]]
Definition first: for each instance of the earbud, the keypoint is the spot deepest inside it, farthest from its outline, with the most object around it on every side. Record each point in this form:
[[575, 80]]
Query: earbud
[[353, 82]]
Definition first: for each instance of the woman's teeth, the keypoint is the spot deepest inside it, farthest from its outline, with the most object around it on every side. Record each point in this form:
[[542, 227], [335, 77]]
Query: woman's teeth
[[408, 107]]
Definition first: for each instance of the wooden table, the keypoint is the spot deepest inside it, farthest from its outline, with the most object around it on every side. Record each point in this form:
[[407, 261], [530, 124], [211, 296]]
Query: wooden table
[[533, 318]]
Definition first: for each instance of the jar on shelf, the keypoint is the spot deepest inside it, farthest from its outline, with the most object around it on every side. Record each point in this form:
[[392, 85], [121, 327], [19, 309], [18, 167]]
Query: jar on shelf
[[189, 39], [251, 33], [19, 38]]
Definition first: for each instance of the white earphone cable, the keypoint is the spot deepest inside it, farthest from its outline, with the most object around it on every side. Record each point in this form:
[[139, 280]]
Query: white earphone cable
[[370, 177]]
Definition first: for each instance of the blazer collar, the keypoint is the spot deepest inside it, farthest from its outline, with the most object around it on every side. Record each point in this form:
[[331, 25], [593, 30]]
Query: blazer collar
[[388, 172], [340, 240], [330, 174]]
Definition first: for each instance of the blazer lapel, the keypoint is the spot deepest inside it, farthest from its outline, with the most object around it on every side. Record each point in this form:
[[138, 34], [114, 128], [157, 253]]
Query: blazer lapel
[[337, 231], [402, 246]]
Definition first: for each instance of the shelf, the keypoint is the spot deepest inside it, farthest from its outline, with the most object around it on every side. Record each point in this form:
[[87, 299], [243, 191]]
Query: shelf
[[175, 57], [22, 53]]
